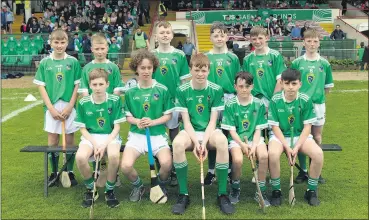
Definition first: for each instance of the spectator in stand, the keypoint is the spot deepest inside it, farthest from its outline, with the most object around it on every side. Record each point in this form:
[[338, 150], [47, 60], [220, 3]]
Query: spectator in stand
[[84, 25], [360, 54], [140, 40], [313, 6], [181, 4], [366, 57], [244, 5], [106, 18], [9, 20], [280, 23], [228, 23], [189, 4], [337, 34], [179, 46], [306, 26], [246, 27], [344, 7], [113, 18], [274, 28], [296, 32], [23, 28], [296, 4], [307, 5], [188, 49], [120, 19], [289, 25], [35, 27], [218, 4], [238, 24]]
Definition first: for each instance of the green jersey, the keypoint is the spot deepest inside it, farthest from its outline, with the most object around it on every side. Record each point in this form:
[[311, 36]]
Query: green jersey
[[151, 102], [199, 103], [173, 68], [316, 75], [100, 118], [286, 114], [244, 119], [223, 70], [59, 77], [266, 70], [115, 82]]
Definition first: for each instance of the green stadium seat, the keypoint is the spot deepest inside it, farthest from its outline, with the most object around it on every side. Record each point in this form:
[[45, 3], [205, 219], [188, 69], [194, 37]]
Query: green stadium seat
[[39, 42], [12, 42], [113, 52], [25, 41], [4, 52], [11, 58], [25, 58], [82, 59], [274, 45], [33, 48], [288, 49], [19, 49]]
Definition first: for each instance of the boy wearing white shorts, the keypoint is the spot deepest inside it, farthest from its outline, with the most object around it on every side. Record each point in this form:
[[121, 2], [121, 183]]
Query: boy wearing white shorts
[[244, 118], [98, 117], [147, 105], [58, 77]]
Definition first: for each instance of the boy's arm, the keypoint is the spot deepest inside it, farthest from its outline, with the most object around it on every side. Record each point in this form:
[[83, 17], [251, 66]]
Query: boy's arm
[[328, 79], [303, 136], [118, 84], [281, 66], [83, 88], [88, 136], [188, 127], [45, 97], [68, 109], [184, 74]]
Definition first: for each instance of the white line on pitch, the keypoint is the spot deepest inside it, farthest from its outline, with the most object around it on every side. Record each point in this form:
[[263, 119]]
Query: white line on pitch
[[18, 111], [351, 90]]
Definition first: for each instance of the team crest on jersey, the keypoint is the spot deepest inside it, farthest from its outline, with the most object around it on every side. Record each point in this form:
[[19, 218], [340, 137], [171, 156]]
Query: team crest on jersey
[[219, 70], [146, 106], [310, 77], [101, 122], [59, 76], [291, 119], [110, 110], [163, 70], [245, 124], [270, 62], [156, 96], [200, 108], [69, 67], [174, 61], [260, 72]]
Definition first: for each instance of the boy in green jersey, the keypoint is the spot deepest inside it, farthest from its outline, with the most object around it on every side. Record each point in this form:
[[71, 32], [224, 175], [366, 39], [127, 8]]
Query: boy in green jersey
[[172, 71], [317, 80], [199, 102], [98, 117], [292, 112], [58, 77], [244, 117], [223, 68], [99, 48], [147, 105]]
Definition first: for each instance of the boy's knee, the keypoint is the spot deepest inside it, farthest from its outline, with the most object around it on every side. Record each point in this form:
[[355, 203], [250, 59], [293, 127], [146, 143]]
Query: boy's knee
[[237, 161], [81, 157], [221, 142], [166, 163], [113, 158], [318, 155], [263, 157], [53, 139], [178, 145], [126, 167]]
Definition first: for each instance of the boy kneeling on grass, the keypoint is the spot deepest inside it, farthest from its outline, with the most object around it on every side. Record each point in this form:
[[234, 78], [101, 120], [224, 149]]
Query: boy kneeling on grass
[[98, 117]]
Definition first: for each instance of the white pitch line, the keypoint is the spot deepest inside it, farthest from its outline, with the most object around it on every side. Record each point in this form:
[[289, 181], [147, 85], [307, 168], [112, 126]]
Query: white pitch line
[[16, 112], [350, 90]]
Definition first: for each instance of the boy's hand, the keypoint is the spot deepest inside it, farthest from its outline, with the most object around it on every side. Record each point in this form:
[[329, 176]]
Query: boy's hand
[[147, 122], [252, 152], [66, 112], [294, 153], [99, 151], [200, 150], [55, 114], [291, 158], [245, 149]]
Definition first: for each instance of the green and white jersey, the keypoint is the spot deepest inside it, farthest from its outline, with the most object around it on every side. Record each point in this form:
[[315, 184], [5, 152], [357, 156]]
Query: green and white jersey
[[173, 68], [115, 82], [286, 114], [223, 70], [100, 118], [59, 77], [244, 119], [199, 103], [266, 70], [316, 75], [151, 102]]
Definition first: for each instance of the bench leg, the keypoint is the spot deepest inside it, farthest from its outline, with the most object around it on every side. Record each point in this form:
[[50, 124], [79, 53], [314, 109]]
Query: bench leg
[[46, 159]]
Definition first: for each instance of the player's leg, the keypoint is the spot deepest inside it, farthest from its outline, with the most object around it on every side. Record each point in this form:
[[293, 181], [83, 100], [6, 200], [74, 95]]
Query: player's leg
[[53, 141], [181, 143], [70, 129], [262, 156], [173, 126], [237, 157], [85, 150], [161, 150], [317, 128], [312, 150], [220, 143], [275, 149], [113, 151]]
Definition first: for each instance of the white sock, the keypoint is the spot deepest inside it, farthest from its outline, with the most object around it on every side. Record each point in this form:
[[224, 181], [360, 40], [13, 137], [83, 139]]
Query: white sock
[[211, 171]]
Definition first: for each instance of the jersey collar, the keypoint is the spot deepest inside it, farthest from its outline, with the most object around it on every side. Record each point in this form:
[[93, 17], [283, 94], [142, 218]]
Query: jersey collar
[[106, 61], [284, 99], [266, 53], [238, 101], [170, 51], [207, 84], [317, 57], [93, 102], [52, 56], [152, 86]]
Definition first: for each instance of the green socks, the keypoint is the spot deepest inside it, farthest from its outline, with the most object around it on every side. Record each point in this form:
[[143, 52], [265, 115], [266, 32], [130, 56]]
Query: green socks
[[89, 183], [109, 186], [54, 161], [182, 173], [276, 183], [70, 158], [262, 186], [312, 183], [302, 161], [221, 170], [137, 183], [236, 184]]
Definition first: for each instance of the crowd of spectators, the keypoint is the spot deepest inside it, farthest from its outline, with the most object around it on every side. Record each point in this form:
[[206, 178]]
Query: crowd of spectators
[[361, 4]]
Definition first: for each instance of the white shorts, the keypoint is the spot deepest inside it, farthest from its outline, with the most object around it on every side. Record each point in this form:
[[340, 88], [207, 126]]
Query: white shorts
[[55, 126], [173, 122], [320, 114], [200, 134], [288, 139], [233, 143], [139, 143], [99, 138]]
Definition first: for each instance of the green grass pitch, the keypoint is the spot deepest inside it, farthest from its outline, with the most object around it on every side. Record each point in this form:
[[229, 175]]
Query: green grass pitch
[[345, 195]]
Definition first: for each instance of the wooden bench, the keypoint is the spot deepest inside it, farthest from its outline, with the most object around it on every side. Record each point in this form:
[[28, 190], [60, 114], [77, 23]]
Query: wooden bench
[[73, 149]]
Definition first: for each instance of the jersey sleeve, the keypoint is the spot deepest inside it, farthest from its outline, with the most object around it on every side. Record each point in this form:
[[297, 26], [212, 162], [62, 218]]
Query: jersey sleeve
[[184, 71], [273, 114], [218, 101], [79, 120], [228, 121], [308, 113], [168, 103], [83, 87], [328, 76], [120, 115], [280, 66], [40, 75], [77, 72], [180, 103], [117, 81], [262, 122], [127, 104]]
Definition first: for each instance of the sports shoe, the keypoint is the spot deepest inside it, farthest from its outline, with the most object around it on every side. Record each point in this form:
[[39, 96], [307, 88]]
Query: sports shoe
[[225, 205], [137, 193], [234, 195], [312, 198], [73, 181], [110, 199], [276, 198], [173, 179], [53, 180], [87, 201], [263, 194], [182, 202], [301, 177], [118, 182], [321, 180], [209, 179]]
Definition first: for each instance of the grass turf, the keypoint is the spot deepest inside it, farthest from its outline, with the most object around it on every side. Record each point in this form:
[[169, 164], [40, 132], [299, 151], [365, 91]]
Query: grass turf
[[345, 195]]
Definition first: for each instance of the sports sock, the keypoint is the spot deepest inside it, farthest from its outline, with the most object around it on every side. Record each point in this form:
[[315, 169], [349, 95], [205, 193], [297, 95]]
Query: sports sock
[[109, 186], [212, 154], [211, 171], [89, 183], [182, 173], [221, 170], [312, 183], [276, 183], [70, 163], [137, 183], [302, 161], [262, 186], [54, 164], [236, 184]]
